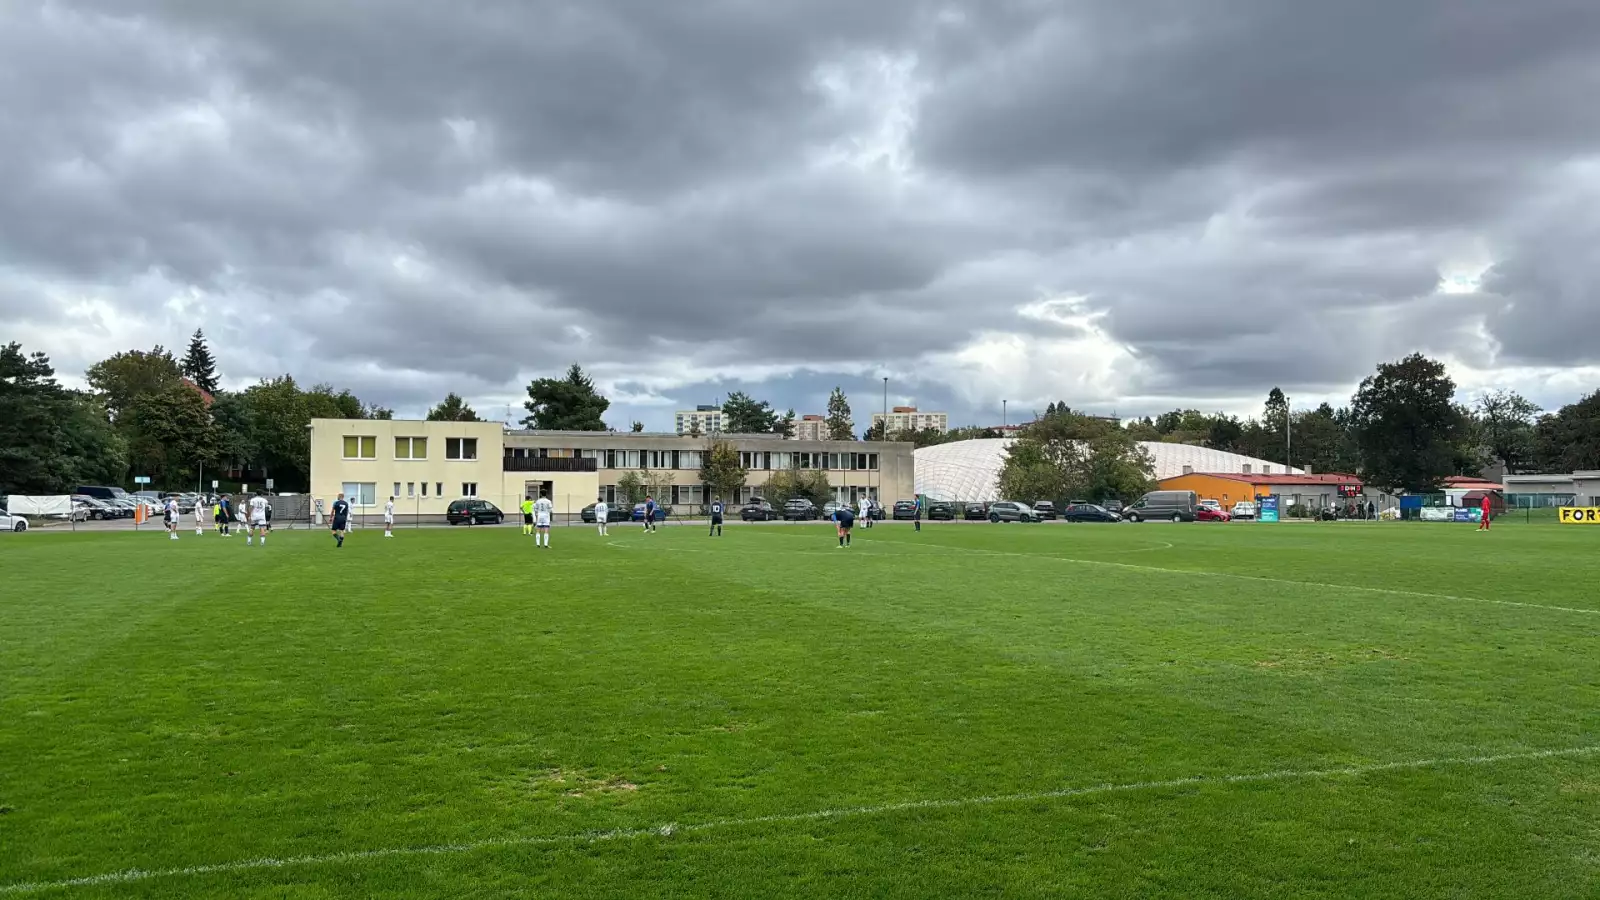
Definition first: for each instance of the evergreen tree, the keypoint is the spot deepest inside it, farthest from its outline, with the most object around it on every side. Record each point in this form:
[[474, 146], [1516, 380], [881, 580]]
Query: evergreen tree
[[198, 364], [452, 409], [742, 414], [840, 428], [566, 404]]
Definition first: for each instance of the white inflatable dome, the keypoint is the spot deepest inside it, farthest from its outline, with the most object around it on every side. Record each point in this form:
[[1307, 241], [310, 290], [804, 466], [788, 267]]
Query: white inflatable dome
[[970, 470]]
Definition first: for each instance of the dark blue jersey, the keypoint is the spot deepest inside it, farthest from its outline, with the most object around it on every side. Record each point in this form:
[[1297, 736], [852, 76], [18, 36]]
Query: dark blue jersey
[[341, 509], [844, 517], [716, 510]]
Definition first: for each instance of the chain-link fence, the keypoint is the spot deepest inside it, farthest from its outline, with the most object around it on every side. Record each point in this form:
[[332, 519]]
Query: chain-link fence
[[483, 510]]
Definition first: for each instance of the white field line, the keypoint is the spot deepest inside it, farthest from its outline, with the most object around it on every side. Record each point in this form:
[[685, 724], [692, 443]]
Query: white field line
[[128, 876], [1262, 579]]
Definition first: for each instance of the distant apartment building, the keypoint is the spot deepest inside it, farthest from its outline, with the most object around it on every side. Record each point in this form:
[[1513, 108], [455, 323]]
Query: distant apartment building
[[909, 418], [811, 428], [703, 419]]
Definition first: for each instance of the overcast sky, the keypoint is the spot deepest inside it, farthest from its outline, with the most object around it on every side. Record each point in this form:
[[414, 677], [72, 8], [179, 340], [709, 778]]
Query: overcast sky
[[1127, 206]]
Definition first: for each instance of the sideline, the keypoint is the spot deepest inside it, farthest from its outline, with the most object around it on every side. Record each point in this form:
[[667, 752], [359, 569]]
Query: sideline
[[666, 830]]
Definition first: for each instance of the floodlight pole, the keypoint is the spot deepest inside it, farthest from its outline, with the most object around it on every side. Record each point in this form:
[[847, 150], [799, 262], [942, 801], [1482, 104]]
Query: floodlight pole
[[883, 435], [1288, 436]]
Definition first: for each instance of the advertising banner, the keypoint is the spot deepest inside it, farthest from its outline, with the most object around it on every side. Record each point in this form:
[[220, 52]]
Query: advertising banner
[[1468, 514], [1578, 515], [1437, 514], [1268, 511]]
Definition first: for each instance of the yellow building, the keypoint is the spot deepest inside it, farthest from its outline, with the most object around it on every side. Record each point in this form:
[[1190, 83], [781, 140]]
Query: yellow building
[[426, 465]]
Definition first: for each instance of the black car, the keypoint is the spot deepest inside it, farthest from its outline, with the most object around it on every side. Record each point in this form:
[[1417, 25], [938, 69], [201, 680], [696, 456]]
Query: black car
[[1046, 510], [757, 510], [614, 513], [941, 511], [1088, 512], [975, 512], [96, 508], [905, 509], [472, 511], [800, 510]]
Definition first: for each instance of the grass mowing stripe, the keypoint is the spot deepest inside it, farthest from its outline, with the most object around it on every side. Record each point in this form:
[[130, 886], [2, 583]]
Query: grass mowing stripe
[[129, 876], [1238, 577]]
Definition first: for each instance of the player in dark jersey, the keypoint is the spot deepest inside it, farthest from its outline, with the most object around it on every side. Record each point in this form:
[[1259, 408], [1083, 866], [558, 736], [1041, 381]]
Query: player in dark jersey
[[649, 514], [341, 520], [716, 518], [846, 520]]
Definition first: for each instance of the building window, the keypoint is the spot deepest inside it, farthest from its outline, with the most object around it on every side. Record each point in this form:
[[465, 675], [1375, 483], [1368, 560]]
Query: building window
[[461, 448], [872, 462], [411, 488], [424, 489], [631, 459], [361, 493], [469, 489], [410, 448], [689, 459], [356, 447], [396, 490], [438, 489]]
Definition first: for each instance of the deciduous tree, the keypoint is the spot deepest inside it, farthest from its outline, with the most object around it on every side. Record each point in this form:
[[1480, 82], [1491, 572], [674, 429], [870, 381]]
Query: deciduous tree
[[1407, 426], [721, 471]]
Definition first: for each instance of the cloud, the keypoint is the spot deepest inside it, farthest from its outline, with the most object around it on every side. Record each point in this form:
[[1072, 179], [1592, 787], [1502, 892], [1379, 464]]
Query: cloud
[[1125, 207]]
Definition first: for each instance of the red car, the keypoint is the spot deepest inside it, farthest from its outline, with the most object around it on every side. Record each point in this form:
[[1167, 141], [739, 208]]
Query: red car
[[1210, 514]]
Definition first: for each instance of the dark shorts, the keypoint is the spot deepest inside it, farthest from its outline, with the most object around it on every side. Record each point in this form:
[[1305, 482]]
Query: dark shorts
[[221, 518], [167, 520], [716, 520], [339, 525], [846, 526], [527, 518]]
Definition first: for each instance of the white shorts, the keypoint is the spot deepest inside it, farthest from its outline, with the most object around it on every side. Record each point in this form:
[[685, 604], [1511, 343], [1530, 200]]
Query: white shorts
[[388, 520], [542, 521], [258, 520]]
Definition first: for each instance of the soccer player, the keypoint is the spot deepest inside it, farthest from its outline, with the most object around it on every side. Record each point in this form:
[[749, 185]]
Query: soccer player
[[199, 517], [542, 511], [216, 517], [649, 514], [169, 517], [257, 526], [866, 511], [388, 518], [1486, 512], [341, 520], [527, 515], [917, 521], [845, 519], [716, 517], [602, 514]]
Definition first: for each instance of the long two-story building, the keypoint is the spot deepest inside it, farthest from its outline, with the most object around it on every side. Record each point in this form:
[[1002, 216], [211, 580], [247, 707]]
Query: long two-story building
[[426, 465]]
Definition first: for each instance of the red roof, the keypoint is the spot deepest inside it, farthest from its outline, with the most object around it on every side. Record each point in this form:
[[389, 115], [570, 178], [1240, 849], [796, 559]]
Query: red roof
[[204, 394], [1333, 478]]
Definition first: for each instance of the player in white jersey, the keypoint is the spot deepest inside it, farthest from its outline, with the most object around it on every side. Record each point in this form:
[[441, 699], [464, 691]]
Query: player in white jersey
[[602, 513], [257, 525], [543, 509], [866, 511], [169, 517], [388, 518], [201, 510]]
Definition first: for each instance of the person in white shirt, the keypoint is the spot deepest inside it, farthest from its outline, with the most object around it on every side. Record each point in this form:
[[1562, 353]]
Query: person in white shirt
[[388, 518], [543, 509], [602, 512], [201, 508], [257, 525], [169, 517], [866, 511]]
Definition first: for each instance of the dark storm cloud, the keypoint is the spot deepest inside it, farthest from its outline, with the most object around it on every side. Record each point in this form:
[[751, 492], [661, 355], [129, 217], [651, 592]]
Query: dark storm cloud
[[416, 197]]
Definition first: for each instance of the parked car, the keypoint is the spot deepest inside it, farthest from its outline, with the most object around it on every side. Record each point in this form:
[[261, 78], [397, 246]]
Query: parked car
[[472, 511], [99, 510], [975, 512], [757, 510], [941, 511], [1175, 506], [99, 492], [904, 509], [875, 512], [1214, 504], [638, 513], [79, 513], [9, 522], [1045, 509], [1244, 509], [1112, 505], [614, 513], [1011, 511], [1089, 512], [831, 507], [800, 509], [1211, 514]]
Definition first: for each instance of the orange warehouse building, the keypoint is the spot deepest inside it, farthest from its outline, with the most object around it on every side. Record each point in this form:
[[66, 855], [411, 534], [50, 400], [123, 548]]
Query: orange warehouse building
[[1230, 488]]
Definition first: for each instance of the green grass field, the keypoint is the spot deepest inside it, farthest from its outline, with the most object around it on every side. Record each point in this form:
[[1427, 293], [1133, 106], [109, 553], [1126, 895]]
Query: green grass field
[[1296, 711]]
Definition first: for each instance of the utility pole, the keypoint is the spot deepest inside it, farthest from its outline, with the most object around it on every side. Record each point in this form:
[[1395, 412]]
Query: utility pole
[[1288, 436], [1003, 422]]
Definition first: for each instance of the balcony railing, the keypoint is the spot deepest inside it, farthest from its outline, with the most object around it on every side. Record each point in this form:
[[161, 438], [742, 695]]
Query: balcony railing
[[548, 464]]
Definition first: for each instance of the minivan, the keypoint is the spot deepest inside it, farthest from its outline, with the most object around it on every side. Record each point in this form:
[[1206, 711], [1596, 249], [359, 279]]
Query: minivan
[[101, 493], [1175, 506]]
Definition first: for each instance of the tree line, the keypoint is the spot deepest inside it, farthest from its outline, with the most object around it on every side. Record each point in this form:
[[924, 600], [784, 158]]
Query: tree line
[[149, 412]]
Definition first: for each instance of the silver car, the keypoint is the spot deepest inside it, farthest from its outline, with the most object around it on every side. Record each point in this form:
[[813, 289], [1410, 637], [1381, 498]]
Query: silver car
[[1012, 511]]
